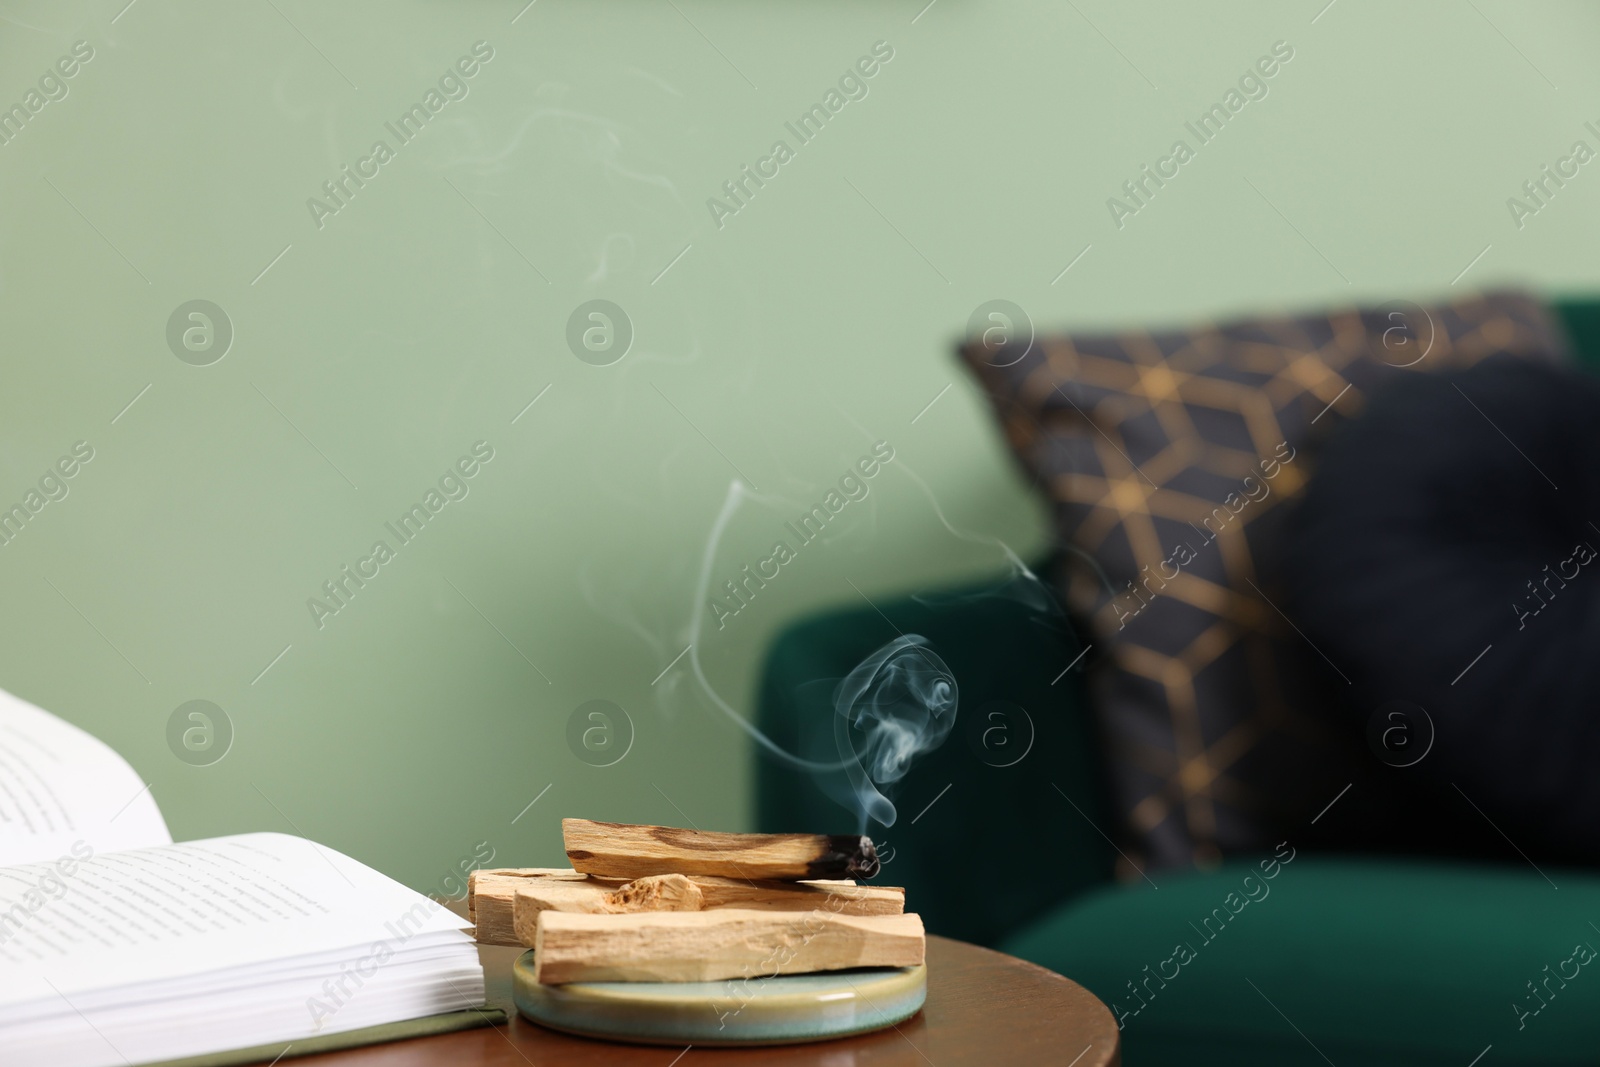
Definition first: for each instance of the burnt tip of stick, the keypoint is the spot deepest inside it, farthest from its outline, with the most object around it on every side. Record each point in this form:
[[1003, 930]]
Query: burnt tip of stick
[[847, 857]]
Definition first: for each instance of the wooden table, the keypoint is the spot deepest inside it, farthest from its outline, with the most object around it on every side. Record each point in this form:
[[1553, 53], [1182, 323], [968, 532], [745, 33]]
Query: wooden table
[[983, 1008]]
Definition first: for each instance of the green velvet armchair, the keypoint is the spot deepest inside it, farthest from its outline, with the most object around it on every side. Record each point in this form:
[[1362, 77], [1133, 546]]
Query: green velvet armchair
[[1286, 959]]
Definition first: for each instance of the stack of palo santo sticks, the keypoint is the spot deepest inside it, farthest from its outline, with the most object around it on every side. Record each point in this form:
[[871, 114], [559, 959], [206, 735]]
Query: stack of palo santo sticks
[[658, 904]]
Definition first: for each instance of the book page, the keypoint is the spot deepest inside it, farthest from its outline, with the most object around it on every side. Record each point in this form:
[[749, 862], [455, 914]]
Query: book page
[[62, 791], [167, 914]]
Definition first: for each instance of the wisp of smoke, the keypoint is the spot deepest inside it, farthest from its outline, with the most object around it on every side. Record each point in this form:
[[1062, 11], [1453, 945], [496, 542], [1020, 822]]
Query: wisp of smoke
[[730, 504], [895, 705]]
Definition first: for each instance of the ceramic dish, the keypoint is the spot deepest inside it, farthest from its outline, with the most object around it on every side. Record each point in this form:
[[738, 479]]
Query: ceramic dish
[[757, 1011]]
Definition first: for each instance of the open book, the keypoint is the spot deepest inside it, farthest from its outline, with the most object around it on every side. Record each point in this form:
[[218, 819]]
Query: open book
[[119, 947]]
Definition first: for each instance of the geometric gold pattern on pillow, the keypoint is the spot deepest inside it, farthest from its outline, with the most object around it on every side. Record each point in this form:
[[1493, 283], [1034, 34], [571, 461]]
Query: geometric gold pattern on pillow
[[1168, 459]]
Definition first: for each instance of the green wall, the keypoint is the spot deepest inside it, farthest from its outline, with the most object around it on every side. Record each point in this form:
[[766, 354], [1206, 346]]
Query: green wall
[[428, 311]]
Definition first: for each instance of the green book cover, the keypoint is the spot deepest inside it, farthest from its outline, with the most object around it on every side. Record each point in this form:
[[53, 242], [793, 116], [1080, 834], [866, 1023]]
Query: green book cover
[[426, 1026]]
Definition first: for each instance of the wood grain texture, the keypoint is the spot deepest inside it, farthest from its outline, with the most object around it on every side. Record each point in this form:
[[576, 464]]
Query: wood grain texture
[[983, 1008], [626, 850], [703, 946], [840, 897]]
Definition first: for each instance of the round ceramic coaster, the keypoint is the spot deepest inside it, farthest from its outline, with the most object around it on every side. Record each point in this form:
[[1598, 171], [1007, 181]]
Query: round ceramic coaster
[[757, 1011]]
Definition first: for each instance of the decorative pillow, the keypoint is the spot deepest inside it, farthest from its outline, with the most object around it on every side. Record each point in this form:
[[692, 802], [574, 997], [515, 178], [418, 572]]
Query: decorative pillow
[[1443, 556], [1168, 458]]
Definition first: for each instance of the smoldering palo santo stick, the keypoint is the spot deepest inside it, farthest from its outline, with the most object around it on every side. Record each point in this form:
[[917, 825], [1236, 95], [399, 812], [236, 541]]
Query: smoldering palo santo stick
[[626, 850]]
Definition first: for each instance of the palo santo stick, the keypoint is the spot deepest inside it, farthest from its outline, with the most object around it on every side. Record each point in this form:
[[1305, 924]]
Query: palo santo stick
[[623, 850], [490, 893], [703, 946], [483, 874], [679, 892]]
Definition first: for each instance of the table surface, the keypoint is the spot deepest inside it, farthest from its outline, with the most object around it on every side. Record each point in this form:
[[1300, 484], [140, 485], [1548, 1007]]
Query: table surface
[[983, 1007]]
